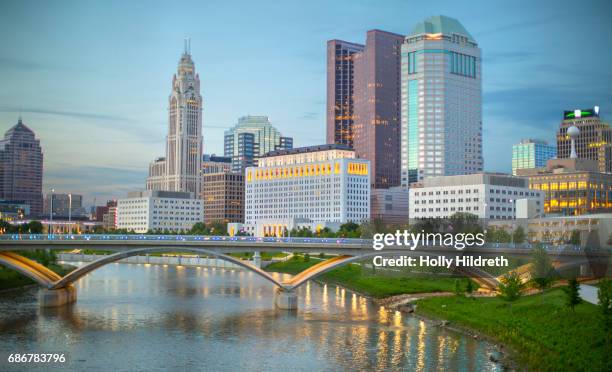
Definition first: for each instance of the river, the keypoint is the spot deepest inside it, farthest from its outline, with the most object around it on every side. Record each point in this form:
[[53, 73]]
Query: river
[[146, 317]]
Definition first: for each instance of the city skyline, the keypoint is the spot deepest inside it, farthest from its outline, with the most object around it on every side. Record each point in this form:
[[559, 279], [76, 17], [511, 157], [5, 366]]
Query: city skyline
[[527, 81]]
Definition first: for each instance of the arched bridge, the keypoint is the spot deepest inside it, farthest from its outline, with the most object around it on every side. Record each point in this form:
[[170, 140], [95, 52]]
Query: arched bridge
[[346, 250]]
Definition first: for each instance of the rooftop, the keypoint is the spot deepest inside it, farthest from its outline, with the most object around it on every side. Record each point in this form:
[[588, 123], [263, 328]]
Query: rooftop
[[302, 150], [440, 25]]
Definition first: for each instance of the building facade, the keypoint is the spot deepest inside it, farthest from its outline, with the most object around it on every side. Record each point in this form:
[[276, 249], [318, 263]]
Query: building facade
[[216, 164], [377, 106], [317, 184], [572, 186], [251, 137], [594, 140], [180, 169], [531, 153], [159, 211], [21, 168], [223, 196], [340, 91], [441, 95], [64, 206], [486, 195], [390, 205]]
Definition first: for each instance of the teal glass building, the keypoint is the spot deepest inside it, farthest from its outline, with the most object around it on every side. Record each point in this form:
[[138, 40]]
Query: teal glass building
[[531, 153]]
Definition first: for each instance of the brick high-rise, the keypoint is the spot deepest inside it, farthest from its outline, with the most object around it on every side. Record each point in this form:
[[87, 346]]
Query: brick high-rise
[[363, 102]]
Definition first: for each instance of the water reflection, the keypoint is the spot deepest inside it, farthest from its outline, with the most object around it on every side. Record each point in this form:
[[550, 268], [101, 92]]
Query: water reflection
[[150, 317]]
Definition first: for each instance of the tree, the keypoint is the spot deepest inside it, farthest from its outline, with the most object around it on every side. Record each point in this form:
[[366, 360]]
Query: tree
[[463, 222], [348, 230], [572, 292], [518, 236], [458, 289], [604, 297], [541, 269], [510, 287], [469, 287], [575, 237]]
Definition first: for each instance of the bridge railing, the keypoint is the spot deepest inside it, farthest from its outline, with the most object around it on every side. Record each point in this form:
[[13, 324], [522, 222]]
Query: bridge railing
[[170, 238]]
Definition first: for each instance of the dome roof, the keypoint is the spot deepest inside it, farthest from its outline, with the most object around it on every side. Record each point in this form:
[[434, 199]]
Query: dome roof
[[440, 25]]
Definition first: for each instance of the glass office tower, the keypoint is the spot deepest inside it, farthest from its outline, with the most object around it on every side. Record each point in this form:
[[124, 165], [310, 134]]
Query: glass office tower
[[531, 153], [441, 95]]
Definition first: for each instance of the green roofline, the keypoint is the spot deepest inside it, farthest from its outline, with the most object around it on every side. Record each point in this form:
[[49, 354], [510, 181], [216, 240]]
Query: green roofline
[[440, 25]]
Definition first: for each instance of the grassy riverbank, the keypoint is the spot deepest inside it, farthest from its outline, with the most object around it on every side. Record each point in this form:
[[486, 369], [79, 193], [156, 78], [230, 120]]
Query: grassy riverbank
[[10, 279], [377, 284], [541, 330]]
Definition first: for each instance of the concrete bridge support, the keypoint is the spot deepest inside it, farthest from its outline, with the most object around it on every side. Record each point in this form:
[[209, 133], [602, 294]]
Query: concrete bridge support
[[57, 297], [285, 299]]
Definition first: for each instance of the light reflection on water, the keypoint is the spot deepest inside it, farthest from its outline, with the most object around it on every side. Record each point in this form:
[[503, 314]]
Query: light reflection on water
[[137, 317]]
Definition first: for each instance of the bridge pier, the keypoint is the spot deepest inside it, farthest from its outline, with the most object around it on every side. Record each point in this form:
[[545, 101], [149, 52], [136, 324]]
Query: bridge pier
[[257, 259], [57, 297], [285, 299]]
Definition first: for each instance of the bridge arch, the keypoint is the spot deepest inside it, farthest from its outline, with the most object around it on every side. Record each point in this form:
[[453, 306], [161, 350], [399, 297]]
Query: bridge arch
[[88, 268], [480, 276]]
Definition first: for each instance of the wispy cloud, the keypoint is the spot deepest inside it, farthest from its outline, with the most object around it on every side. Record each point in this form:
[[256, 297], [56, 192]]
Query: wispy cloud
[[522, 25], [309, 115], [74, 114]]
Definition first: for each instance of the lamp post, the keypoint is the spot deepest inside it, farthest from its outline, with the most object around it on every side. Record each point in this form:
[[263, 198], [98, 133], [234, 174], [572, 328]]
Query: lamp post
[[51, 212], [69, 213]]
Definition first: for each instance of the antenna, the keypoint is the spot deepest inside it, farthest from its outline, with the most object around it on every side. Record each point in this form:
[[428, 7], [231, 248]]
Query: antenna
[[187, 45]]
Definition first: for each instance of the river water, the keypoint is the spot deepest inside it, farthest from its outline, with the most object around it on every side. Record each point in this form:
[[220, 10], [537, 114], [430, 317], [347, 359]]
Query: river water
[[147, 318]]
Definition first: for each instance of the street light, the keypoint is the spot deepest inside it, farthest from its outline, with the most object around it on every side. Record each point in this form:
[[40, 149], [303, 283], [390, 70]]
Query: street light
[[51, 212], [69, 211]]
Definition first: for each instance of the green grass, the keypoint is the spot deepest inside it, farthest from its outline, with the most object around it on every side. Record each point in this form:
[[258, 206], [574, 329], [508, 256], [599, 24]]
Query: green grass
[[542, 331], [12, 279], [375, 284]]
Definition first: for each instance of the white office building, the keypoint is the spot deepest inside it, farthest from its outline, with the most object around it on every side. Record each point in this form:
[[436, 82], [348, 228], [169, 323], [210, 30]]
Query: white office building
[[441, 101], [486, 195], [159, 210], [320, 186]]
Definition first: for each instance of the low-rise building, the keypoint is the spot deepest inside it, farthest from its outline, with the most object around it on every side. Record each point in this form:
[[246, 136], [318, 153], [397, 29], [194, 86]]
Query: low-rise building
[[390, 205], [159, 210], [572, 186], [321, 184], [486, 195]]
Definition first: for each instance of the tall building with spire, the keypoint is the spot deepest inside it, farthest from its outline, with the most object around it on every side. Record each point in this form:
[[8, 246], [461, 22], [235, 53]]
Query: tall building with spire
[[180, 169], [21, 168]]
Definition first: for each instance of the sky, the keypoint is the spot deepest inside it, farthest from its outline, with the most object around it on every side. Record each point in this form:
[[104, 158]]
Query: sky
[[92, 78]]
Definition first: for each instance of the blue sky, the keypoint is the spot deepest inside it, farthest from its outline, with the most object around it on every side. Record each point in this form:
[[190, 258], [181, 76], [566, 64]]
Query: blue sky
[[92, 78]]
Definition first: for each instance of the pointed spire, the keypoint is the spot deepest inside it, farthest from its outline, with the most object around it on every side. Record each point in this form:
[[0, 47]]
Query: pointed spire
[[187, 46]]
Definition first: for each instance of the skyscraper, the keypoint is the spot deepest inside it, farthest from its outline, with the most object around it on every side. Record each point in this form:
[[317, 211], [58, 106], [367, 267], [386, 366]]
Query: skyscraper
[[21, 168], [441, 129], [340, 91], [251, 137], [377, 106], [180, 169], [531, 153], [594, 140]]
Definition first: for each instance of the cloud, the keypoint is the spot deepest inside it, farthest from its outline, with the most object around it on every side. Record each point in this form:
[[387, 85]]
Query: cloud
[[73, 114], [522, 25], [94, 181], [508, 57], [310, 115]]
